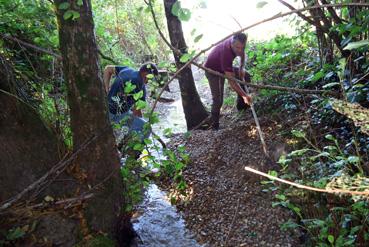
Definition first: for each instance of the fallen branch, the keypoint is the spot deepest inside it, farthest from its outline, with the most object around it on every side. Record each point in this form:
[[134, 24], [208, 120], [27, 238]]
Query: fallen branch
[[271, 87], [56, 169], [332, 191]]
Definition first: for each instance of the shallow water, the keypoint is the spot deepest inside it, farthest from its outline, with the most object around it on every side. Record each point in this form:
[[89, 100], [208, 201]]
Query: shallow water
[[157, 222], [160, 224]]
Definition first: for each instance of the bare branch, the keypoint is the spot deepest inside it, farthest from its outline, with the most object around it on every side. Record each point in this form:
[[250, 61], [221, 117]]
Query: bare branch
[[333, 191], [55, 170]]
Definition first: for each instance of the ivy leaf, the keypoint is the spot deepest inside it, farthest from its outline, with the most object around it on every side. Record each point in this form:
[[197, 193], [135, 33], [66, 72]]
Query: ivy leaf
[[129, 87], [76, 15], [176, 8], [355, 45], [138, 95], [185, 57], [64, 6], [68, 14], [261, 4], [140, 105], [198, 38], [71, 14], [184, 15]]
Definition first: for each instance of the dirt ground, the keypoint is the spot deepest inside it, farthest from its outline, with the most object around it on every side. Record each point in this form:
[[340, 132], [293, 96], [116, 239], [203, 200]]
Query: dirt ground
[[226, 206]]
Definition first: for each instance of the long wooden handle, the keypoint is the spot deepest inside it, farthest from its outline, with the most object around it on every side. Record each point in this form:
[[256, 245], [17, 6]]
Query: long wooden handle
[[261, 135]]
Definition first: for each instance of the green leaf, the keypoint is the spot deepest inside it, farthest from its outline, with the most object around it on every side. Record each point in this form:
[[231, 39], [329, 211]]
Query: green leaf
[[198, 38], [167, 132], [176, 8], [298, 152], [355, 45], [140, 104], [330, 137], [76, 15], [138, 95], [261, 4], [317, 76], [331, 239], [68, 14], [147, 141], [80, 2], [273, 173], [129, 87], [184, 15], [15, 234], [64, 6], [353, 159], [280, 197], [138, 147], [71, 14], [298, 133], [288, 225], [332, 84], [185, 58]]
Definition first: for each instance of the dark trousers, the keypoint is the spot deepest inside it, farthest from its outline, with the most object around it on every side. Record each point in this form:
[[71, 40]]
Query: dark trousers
[[216, 84]]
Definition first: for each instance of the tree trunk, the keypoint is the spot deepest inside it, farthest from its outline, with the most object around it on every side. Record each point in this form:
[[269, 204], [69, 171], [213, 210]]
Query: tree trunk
[[193, 108], [98, 164]]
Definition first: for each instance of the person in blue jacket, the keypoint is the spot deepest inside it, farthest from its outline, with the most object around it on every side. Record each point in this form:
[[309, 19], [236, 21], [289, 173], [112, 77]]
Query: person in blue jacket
[[121, 104]]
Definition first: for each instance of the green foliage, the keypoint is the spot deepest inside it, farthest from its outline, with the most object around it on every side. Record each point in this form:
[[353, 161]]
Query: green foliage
[[328, 167], [183, 14], [125, 31]]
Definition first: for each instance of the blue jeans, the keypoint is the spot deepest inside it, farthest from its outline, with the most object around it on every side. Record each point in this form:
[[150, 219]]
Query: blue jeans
[[134, 123]]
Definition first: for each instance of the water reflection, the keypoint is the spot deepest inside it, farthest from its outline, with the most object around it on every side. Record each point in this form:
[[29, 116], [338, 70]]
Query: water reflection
[[160, 224]]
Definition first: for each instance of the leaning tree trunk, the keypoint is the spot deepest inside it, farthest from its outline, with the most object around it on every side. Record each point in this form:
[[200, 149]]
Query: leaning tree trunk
[[193, 108], [98, 165]]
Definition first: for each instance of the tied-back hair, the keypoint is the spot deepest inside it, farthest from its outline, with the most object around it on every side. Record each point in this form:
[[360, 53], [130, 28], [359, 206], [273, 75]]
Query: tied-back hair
[[241, 37], [149, 68]]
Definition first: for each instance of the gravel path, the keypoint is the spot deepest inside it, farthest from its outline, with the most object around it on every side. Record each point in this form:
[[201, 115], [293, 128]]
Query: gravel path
[[227, 206]]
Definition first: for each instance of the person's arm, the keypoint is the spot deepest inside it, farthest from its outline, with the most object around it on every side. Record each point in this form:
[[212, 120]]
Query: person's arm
[[109, 71], [236, 87]]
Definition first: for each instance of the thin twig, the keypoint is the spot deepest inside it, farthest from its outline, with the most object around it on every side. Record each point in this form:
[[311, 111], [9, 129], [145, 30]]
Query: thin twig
[[332, 191], [56, 169]]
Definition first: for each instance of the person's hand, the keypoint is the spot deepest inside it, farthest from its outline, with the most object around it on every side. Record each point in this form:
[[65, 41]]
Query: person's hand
[[247, 99]]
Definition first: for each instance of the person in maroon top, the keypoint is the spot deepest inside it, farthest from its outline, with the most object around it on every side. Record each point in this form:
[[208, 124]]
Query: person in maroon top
[[221, 59]]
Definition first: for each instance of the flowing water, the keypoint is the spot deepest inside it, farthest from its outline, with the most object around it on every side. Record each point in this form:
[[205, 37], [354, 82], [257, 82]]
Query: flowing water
[[158, 222]]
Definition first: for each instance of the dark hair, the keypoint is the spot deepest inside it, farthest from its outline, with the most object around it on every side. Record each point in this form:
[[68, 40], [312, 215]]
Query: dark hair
[[241, 37], [149, 68]]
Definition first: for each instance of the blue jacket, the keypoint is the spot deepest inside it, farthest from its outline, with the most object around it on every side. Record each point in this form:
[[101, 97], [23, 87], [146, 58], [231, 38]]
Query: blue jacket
[[120, 102]]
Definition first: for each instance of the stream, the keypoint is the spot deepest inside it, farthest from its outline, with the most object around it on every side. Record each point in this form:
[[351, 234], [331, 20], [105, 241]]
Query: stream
[[158, 222]]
